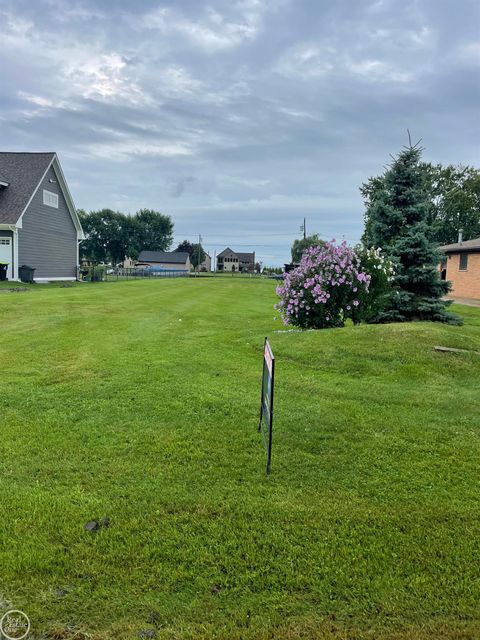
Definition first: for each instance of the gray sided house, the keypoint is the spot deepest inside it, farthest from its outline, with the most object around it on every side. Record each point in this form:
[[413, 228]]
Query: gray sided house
[[39, 225]]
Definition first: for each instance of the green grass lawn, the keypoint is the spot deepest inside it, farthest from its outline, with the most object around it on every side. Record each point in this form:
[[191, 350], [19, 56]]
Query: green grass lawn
[[138, 401]]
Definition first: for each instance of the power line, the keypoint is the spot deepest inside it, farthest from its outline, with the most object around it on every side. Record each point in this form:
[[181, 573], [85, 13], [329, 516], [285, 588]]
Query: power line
[[285, 235], [236, 244]]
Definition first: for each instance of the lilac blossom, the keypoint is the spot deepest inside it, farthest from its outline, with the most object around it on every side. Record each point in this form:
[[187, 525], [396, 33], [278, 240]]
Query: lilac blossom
[[324, 289]]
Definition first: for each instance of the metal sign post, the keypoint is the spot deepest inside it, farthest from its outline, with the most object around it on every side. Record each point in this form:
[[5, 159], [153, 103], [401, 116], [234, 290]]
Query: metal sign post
[[266, 401]]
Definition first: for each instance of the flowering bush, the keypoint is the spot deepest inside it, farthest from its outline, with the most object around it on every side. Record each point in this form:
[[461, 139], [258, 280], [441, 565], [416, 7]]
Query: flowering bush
[[381, 271], [328, 287]]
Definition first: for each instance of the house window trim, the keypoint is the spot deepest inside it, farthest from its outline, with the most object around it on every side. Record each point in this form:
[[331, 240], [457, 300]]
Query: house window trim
[[465, 266], [54, 199]]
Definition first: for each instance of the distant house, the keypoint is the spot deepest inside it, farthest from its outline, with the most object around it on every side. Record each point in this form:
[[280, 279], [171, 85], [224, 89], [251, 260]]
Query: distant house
[[173, 260], [39, 225], [128, 263], [461, 265], [229, 260], [206, 265]]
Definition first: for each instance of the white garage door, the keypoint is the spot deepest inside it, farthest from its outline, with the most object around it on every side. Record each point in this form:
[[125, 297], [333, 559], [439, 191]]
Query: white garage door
[[6, 254]]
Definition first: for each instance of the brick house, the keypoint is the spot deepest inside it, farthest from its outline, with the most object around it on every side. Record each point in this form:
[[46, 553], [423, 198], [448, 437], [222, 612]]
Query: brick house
[[461, 266]]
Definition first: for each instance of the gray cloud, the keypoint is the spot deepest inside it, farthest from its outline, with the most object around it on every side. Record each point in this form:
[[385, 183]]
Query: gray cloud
[[238, 118]]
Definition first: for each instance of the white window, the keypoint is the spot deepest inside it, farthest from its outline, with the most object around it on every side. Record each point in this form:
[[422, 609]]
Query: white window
[[5, 241], [50, 199]]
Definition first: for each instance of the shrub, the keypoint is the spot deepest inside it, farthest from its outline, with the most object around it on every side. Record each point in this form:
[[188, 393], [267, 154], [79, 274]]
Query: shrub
[[94, 273], [326, 288], [381, 271]]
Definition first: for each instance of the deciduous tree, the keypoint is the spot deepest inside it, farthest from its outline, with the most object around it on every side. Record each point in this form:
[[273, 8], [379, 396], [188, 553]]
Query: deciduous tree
[[299, 246], [110, 236], [154, 230], [453, 194]]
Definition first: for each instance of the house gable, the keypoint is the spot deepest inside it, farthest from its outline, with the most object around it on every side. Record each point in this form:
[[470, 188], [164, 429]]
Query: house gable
[[59, 179], [20, 177], [47, 235], [21, 174], [227, 253]]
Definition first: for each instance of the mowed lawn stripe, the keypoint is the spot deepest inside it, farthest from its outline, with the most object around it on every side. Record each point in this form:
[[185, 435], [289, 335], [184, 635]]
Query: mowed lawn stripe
[[138, 401]]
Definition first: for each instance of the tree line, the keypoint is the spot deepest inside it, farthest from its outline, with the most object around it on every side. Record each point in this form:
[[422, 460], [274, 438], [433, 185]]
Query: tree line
[[452, 200], [111, 236]]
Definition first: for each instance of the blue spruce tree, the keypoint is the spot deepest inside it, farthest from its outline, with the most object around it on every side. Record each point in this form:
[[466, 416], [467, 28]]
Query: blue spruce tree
[[397, 219]]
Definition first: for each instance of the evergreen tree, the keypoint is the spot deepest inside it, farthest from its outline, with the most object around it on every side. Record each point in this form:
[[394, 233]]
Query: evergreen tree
[[398, 224], [454, 200], [194, 251], [185, 247]]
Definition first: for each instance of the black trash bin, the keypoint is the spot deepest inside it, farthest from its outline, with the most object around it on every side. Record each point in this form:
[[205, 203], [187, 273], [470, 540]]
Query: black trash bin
[[3, 270], [26, 273]]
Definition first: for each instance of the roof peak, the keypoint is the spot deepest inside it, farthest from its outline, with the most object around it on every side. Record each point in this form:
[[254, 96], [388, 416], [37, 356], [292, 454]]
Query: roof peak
[[31, 153], [23, 171]]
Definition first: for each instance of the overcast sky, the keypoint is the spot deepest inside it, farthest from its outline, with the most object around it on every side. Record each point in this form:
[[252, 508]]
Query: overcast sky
[[238, 117]]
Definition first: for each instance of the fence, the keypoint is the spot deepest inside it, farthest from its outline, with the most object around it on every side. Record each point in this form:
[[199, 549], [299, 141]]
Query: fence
[[104, 273], [101, 273]]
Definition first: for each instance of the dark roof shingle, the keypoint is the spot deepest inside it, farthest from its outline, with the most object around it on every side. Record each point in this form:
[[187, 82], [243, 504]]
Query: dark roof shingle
[[246, 257], [466, 245], [172, 257], [23, 172], [243, 257]]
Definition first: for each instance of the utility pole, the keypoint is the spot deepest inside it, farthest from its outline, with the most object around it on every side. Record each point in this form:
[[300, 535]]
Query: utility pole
[[199, 252], [304, 229]]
